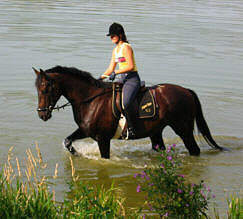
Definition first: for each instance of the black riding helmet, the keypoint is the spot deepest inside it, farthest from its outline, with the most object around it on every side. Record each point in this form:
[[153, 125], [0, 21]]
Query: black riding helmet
[[116, 29]]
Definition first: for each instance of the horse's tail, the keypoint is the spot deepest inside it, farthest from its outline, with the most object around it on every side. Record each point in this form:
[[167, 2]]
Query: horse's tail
[[202, 125]]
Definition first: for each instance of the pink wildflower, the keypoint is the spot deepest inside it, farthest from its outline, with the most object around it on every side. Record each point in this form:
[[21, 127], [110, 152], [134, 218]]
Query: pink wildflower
[[138, 188], [166, 214], [169, 158]]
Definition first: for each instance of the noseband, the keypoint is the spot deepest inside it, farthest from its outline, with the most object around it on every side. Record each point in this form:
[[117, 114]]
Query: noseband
[[45, 109]]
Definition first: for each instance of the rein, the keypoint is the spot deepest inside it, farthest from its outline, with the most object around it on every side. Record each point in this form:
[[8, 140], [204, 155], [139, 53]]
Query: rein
[[93, 97], [50, 108]]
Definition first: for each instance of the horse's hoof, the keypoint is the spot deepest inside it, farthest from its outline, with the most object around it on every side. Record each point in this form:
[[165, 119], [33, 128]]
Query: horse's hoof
[[72, 150], [67, 143]]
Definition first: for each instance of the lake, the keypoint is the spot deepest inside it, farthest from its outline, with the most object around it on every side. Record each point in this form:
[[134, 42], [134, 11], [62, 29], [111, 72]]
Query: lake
[[196, 44]]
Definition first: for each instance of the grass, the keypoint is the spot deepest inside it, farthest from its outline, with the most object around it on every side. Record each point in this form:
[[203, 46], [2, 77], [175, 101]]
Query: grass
[[26, 194]]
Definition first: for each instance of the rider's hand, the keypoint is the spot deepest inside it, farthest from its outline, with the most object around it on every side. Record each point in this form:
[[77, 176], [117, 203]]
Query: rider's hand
[[112, 76], [102, 77]]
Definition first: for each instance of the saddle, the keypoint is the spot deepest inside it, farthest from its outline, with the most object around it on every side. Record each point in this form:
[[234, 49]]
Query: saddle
[[144, 106]]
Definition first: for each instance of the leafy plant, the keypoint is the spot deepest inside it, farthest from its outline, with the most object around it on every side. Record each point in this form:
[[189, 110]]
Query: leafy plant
[[167, 192]]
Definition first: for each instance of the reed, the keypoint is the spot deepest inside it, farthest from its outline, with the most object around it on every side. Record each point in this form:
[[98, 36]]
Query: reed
[[235, 208], [25, 193]]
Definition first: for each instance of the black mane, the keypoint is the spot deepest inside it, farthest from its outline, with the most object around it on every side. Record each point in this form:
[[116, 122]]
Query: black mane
[[85, 76]]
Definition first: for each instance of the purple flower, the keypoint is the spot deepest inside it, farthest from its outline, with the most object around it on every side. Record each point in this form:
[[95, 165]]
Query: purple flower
[[169, 158], [191, 193], [174, 145], [166, 214], [182, 176], [138, 188], [169, 149], [135, 175], [156, 147], [162, 166], [214, 196], [144, 216], [179, 191]]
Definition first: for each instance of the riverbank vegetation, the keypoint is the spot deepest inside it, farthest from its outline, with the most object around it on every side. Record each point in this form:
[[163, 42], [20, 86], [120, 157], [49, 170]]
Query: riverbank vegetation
[[26, 193]]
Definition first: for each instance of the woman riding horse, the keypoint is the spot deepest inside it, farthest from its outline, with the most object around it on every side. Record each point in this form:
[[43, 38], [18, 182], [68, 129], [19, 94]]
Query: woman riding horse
[[123, 55]]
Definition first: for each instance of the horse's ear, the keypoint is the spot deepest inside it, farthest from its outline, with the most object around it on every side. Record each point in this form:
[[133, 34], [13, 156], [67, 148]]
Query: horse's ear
[[36, 71]]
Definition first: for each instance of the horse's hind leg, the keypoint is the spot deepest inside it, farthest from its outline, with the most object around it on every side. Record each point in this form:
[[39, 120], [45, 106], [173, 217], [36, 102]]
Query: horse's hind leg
[[74, 136], [191, 144], [157, 141], [185, 131]]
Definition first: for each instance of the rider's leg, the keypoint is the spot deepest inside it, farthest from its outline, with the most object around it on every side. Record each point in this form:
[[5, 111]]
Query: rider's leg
[[130, 89]]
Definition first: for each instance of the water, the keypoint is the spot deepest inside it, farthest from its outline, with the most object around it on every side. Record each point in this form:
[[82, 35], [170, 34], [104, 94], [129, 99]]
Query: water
[[197, 44]]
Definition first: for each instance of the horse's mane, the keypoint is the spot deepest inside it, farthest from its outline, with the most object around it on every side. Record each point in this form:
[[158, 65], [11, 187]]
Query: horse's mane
[[83, 75]]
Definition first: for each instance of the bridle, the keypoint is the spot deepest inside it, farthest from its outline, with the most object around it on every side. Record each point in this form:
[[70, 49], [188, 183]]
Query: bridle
[[51, 107]]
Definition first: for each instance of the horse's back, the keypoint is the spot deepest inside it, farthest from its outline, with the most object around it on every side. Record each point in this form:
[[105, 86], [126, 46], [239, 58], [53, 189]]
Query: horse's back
[[174, 98]]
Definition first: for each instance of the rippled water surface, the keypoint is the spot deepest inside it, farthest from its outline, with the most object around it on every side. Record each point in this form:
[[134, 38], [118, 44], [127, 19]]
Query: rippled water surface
[[197, 44]]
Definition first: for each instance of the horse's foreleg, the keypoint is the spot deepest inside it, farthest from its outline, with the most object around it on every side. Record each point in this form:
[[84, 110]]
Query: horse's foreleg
[[74, 136], [104, 146], [157, 141]]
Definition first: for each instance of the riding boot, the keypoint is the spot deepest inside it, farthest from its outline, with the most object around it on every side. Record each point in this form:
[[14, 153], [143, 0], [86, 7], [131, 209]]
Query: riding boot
[[130, 127]]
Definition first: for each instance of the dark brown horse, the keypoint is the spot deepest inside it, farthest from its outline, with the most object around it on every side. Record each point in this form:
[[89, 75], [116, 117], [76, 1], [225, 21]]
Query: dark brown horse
[[91, 102]]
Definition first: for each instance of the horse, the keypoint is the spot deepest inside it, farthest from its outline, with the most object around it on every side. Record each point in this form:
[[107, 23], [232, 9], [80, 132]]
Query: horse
[[91, 101]]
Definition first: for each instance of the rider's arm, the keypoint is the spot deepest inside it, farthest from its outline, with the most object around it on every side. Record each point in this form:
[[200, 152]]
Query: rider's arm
[[111, 67], [128, 55]]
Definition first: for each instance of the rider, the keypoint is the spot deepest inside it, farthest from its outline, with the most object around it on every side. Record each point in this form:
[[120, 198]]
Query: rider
[[123, 56]]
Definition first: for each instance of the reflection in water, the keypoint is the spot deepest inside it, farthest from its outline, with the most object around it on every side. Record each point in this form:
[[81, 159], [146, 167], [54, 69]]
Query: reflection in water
[[195, 45]]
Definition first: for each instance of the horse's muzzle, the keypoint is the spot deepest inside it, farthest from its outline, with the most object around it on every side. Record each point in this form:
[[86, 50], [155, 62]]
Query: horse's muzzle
[[44, 115]]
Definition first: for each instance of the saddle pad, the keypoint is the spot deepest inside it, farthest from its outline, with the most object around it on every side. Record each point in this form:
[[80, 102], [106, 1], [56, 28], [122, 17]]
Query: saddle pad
[[146, 105]]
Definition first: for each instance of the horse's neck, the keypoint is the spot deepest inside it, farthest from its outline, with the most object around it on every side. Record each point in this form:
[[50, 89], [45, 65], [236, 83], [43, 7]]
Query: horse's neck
[[76, 91]]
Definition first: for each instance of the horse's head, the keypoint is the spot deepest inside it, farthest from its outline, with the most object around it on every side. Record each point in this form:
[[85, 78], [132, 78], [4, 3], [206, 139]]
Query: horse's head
[[48, 94]]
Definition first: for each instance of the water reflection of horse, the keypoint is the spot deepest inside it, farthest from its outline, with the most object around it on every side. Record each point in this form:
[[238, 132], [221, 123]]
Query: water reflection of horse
[[91, 102]]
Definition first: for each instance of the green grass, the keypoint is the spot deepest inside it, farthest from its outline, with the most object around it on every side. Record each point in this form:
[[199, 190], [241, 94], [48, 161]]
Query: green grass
[[27, 195]]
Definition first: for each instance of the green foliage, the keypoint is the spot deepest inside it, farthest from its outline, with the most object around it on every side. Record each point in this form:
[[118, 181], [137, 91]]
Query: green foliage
[[19, 202], [168, 194], [93, 202], [29, 196], [235, 208]]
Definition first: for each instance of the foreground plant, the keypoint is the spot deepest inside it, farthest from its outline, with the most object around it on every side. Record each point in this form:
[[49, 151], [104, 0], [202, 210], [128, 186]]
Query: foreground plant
[[167, 192], [235, 208], [26, 193]]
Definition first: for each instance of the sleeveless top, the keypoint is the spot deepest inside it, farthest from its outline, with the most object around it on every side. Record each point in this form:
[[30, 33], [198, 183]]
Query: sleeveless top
[[121, 60]]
